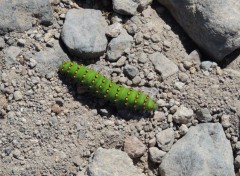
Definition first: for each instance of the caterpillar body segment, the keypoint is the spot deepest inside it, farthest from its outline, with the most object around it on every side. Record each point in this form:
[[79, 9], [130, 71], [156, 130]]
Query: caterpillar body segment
[[111, 91]]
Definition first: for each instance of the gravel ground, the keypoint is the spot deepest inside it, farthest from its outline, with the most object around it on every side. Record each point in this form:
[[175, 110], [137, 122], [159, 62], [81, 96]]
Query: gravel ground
[[49, 126]]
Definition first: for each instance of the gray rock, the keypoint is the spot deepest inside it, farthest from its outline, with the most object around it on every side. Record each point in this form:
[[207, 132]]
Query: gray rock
[[109, 162], [187, 64], [138, 38], [163, 65], [84, 33], [21, 42], [2, 43], [183, 77], [143, 58], [77, 160], [203, 115], [183, 129], [134, 147], [125, 7], [136, 80], [207, 65], [53, 121], [114, 30], [104, 112], [130, 71], [183, 115], [118, 45], [17, 95], [152, 142], [237, 162], [11, 54], [32, 63], [121, 61], [156, 155], [21, 18], [159, 116], [165, 139], [179, 85], [49, 59], [213, 25], [195, 57], [204, 150], [130, 7], [16, 153], [225, 121]]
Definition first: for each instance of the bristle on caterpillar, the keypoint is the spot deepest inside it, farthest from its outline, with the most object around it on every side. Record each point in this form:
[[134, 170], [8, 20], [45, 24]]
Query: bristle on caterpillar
[[109, 90]]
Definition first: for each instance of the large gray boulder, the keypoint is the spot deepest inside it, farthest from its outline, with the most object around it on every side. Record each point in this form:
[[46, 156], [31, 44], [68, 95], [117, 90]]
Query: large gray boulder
[[18, 15], [204, 150], [84, 33], [112, 162], [214, 25]]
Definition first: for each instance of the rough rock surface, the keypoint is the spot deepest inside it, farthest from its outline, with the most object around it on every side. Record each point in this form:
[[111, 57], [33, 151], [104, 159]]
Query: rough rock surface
[[156, 155], [84, 33], [183, 115], [203, 151], [163, 65], [134, 147], [108, 162], [129, 7], [213, 25], [11, 54], [48, 60], [19, 15], [165, 139], [118, 45]]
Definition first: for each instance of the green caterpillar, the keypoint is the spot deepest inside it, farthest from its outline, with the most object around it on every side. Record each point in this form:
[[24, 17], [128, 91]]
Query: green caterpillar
[[102, 86]]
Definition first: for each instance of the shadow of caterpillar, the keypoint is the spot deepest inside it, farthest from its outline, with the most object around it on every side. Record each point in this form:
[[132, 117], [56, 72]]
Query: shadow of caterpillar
[[106, 88]]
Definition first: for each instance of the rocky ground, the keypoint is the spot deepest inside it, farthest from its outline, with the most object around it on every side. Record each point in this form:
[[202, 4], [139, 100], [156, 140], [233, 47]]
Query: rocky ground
[[49, 126]]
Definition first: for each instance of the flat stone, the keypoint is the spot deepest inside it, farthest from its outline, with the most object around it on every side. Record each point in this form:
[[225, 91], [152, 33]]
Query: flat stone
[[109, 162], [125, 7], [163, 65], [84, 33], [213, 25], [17, 95], [11, 54], [183, 115], [179, 85], [165, 139], [183, 77], [3, 101], [134, 147], [114, 30], [195, 57], [130, 7], [225, 121], [237, 162], [204, 150], [159, 116], [207, 65], [156, 155], [49, 59], [18, 15], [130, 71], [203, 115], [118, 45], [2, 43]]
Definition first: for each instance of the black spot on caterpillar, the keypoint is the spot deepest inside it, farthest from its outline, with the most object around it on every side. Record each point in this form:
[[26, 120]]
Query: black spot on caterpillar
[[106, 88]]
